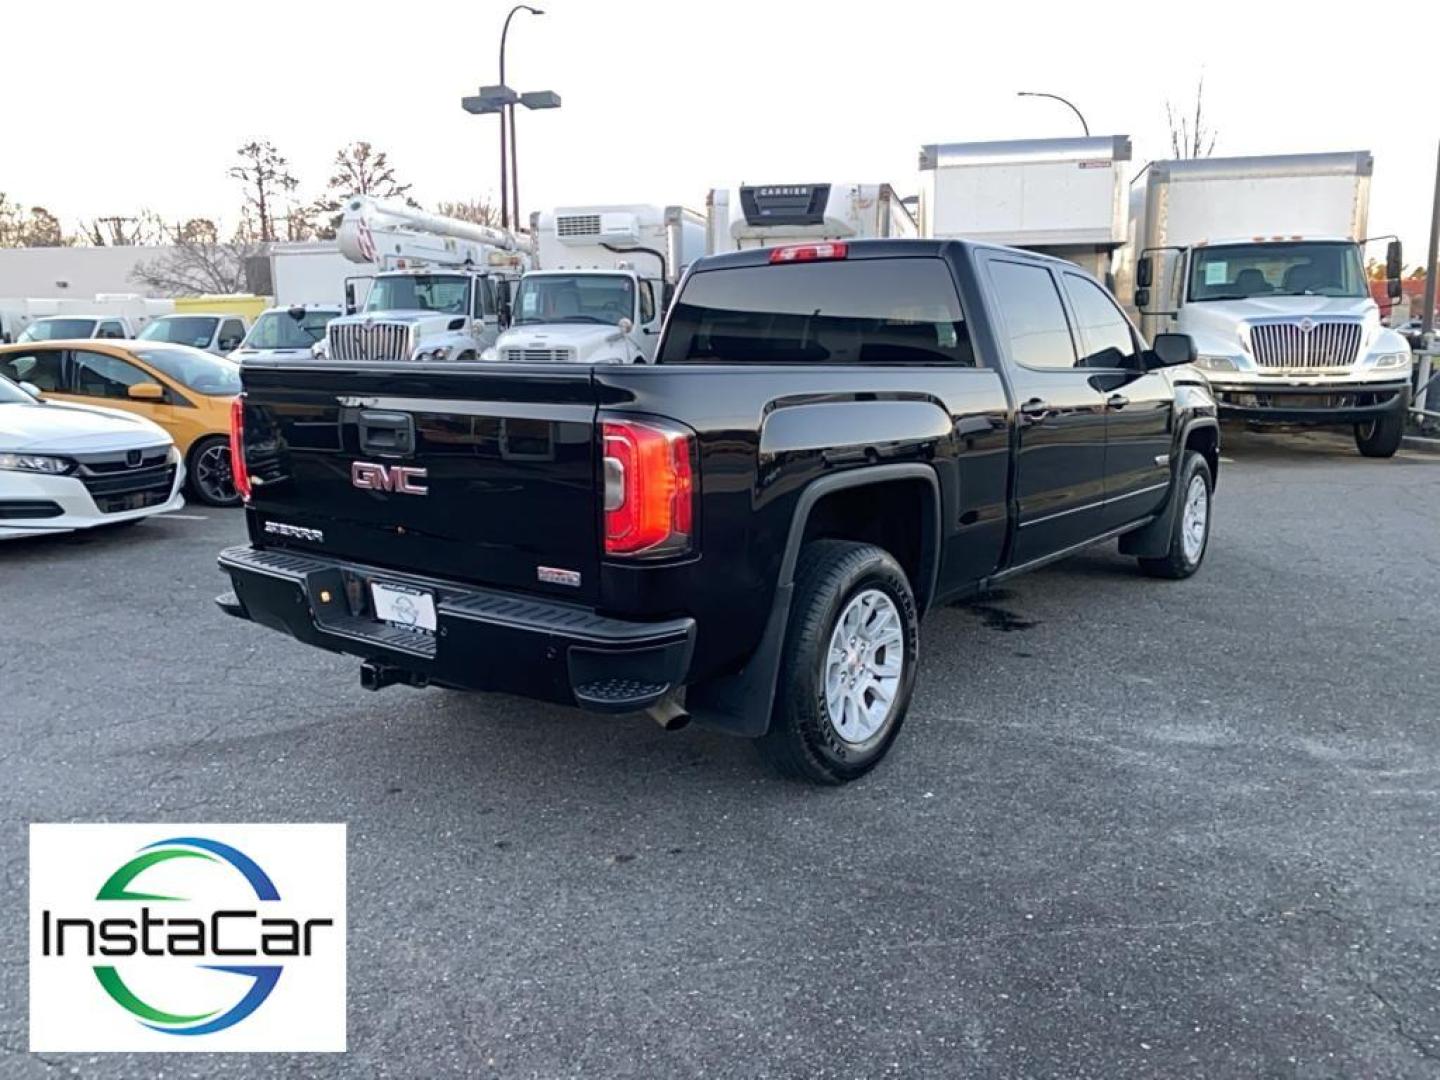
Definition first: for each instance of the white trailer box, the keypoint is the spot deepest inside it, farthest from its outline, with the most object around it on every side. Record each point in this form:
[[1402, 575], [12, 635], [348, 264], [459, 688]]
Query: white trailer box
[[311, 273], [765, 215], [596, 237], [1062, 197]]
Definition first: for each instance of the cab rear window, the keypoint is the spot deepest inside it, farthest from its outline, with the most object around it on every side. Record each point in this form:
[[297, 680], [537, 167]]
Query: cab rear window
[[850, 311]]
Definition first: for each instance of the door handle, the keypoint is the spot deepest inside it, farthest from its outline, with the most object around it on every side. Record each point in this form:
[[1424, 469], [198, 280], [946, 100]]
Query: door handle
[[1034, 411], [1116, 401]]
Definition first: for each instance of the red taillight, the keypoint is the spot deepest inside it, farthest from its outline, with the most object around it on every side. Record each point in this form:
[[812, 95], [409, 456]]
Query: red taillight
[[649, 488], [809, 252], [238, 470]]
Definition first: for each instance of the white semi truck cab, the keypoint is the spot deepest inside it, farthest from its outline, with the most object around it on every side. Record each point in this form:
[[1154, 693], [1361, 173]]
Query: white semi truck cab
[[442, 289], [604, 284], [1262, 262]]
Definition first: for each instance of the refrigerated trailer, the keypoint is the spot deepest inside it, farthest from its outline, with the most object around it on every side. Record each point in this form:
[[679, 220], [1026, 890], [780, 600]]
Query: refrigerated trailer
[[1261, 261], [1061, 197], [765, 215]]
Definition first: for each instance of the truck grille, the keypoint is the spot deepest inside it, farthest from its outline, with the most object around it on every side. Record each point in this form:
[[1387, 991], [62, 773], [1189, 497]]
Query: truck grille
[[577, 225], [130, 481], [369, 341], [1330, 344], [539, 356]]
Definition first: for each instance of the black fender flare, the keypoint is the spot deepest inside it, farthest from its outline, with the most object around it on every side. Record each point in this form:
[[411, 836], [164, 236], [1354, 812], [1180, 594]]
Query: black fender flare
[[741, 703], [1152, 541]]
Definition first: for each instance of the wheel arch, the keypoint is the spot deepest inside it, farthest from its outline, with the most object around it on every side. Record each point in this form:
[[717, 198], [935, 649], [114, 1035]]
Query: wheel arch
[[742, 703]]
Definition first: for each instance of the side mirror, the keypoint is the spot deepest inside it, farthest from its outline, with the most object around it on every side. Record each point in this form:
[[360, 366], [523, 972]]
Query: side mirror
[[1142, 298], [1144, 272], [31, 389], [146, 391], [626, 326], [1171, 350], [349, 298], [1394, 288], [1394, 260]]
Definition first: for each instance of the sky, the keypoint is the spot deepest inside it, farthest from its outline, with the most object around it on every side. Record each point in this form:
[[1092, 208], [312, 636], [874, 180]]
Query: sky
[[115, 107]]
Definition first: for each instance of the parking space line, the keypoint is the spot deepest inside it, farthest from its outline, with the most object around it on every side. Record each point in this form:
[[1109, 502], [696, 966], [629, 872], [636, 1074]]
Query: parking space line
[[186, 517]]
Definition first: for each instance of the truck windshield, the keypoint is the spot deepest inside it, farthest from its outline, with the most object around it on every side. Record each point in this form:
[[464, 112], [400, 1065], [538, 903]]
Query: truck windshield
[[448, 293], [58, 329], [281, 330], [575, 298], [1242, 271], [193, 330], [861, 311]]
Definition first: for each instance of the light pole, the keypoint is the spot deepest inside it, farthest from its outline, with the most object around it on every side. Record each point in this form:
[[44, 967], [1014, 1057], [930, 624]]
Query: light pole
[[538, 99], [507, 119], [1036, 93]]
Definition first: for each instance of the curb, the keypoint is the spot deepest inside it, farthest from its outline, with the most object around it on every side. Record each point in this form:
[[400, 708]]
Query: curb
[[1421, 443]]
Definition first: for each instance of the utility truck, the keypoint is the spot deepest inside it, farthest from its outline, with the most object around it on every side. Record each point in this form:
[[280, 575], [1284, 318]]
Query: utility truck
[[1261, 261], [767, 215], [1060, 197], [604, 284], [441, 290]]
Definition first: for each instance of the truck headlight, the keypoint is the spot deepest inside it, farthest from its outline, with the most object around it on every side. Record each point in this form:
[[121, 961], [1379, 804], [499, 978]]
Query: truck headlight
[[1391, 360], [1216, 363], [41, 463], [438, 352]]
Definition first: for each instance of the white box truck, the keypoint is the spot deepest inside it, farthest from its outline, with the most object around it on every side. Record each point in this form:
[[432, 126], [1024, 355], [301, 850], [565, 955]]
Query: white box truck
[[1060, 197], [766, 215], [603, 284], [310, 274], [1261, 261]]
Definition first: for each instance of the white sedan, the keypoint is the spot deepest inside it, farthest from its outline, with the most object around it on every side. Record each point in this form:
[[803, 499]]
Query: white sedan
[[65, 467]]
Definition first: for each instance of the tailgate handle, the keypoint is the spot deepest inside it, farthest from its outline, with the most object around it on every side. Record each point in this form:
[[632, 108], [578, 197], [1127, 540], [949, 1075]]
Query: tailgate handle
[[387, 433]]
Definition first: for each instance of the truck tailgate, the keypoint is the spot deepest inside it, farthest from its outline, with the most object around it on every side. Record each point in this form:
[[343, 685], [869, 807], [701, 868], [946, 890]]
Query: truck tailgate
[[483, 474]]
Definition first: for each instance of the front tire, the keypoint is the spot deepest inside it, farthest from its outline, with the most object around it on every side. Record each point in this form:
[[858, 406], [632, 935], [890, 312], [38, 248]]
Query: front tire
[[1190, 529], [848, 665], [1381, 438], [211, 480]]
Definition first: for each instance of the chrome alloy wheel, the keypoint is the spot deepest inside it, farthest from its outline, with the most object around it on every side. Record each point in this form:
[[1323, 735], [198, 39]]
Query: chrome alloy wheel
[[1196, 519], [863, 666]]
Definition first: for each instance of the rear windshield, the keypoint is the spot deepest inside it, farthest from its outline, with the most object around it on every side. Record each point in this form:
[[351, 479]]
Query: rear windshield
[[861, 311], [58, 329]]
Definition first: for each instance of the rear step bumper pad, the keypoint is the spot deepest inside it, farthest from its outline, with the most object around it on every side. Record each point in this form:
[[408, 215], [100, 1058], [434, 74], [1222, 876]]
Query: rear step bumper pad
[[484, 639]]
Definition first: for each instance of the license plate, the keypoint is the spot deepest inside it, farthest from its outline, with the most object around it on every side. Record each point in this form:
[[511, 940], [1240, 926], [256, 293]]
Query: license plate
[[399, 605]]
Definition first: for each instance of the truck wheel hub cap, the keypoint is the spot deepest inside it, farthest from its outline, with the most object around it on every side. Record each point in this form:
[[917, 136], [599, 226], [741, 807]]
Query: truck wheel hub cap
[[1197, 516], [863, 666]]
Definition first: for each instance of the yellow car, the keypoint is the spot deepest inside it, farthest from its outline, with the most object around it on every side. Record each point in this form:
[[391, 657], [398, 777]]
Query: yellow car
[[186, 391]]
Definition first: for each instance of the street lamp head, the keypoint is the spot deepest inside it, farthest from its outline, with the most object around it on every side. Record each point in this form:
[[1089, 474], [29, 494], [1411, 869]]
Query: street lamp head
[[533, 10], [540, 99]]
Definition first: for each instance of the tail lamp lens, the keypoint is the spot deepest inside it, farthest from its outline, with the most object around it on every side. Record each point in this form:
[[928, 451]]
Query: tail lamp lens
[[649, 489], [238, 471]]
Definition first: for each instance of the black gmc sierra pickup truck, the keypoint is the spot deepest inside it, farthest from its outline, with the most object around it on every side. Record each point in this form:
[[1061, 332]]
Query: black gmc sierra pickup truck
[[834, 438]]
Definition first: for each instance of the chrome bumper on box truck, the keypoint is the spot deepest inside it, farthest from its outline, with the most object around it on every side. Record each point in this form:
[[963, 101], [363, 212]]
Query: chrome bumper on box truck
[[484, 639], [1339, 403]]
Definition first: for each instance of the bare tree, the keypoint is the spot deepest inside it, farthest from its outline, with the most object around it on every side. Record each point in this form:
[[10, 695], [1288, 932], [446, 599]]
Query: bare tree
[[1191, 138], [41, 228], [198, 262], [476, 211], [360, 169], [265, 174]]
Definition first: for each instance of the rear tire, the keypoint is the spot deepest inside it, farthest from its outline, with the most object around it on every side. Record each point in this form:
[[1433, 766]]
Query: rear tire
[[1381, 438], [1190, 529], [848, 665]]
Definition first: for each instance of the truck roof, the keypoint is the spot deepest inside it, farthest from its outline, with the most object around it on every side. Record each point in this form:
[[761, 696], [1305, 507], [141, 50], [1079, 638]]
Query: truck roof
[[1019, 151], [883, 249], [1357, 162]]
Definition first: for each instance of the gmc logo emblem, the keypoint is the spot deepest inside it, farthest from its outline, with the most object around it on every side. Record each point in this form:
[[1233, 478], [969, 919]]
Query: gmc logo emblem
[[401, 479]]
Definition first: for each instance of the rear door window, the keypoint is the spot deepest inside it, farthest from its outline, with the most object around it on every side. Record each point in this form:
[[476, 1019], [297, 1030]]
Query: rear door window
[[849, 311], [1035, 323], [42, 368]]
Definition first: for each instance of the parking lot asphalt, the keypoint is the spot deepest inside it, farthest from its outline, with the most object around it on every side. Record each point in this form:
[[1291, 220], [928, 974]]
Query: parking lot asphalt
[[1132, 828]]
